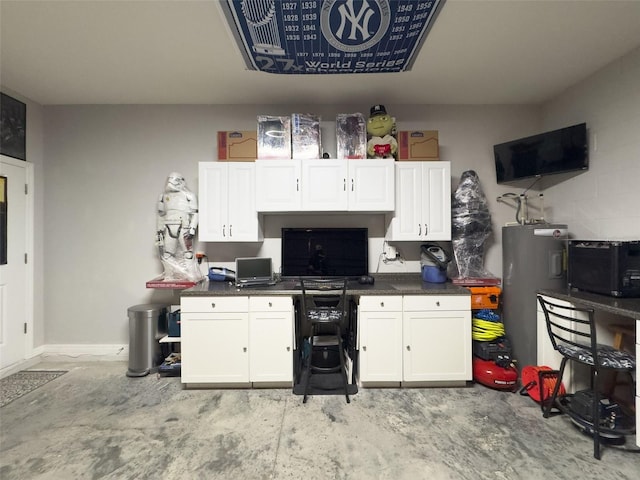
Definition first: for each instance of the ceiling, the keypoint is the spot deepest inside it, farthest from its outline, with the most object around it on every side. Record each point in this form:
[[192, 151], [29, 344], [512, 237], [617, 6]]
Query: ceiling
[[181, 52]]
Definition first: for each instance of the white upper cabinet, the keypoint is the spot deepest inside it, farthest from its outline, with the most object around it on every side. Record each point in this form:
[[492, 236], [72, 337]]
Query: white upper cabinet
[[371, 185], [227, 211], [278, 185], [423, 202], [324, 185]]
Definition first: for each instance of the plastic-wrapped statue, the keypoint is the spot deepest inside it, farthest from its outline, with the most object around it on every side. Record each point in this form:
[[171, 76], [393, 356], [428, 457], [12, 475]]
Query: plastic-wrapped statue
[[177, 221], [381, 131], [470, 226]]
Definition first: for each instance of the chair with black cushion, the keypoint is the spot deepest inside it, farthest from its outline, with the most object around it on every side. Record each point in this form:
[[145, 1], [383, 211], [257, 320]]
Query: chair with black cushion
[[323, 315], [572, 332]]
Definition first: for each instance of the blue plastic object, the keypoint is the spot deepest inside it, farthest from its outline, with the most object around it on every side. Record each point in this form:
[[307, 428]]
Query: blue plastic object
[[433, 274], [217, 274]]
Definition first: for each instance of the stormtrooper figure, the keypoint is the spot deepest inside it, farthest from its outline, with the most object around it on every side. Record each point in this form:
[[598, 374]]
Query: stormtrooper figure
[[177, 221]]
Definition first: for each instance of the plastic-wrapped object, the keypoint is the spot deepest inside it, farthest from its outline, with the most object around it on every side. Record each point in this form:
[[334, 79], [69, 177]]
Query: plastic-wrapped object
[[351, 135], [305, 135], [470, 226], [177, 221]]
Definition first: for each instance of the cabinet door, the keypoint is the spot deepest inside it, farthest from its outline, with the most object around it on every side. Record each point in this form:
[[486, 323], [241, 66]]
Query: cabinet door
[[278, 184], [213, 196], [243, 223], [371, 185], [324, 185], [423, 202], [406, 223], [271, 346], [436, 201], [380, 339], [214, 347], [437, 346]]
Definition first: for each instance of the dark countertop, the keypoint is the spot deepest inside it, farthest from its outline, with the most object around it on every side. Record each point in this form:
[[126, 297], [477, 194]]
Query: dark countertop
[[385, 284], [628, 307]]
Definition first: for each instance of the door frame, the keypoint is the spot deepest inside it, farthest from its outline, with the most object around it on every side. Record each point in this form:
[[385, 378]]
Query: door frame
[[29, 350]]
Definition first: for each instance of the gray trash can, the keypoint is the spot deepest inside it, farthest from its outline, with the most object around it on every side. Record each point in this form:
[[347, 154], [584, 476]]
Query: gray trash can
[[147, 325]]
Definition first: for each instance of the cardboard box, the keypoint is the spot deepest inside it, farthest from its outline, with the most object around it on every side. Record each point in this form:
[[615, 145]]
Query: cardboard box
[[418, 145], [237, 146]]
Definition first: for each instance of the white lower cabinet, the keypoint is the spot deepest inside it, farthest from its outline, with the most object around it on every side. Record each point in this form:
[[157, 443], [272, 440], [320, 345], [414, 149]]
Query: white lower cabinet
[[236, 340], [415, 339], [271, 334], [436, 334], [380, 339], [215, 335]]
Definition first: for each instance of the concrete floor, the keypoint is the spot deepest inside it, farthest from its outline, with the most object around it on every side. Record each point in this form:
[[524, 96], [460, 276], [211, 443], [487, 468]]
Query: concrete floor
[[96, 423]]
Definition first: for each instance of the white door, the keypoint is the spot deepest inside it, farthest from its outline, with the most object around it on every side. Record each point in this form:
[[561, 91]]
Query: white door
[[215, 347], [406, 223], [325, 185], [270, 347], [436, 200], [278, 185], [437, 346], [371, 185], [213, 197], [244, 225], [380, 340], [13, 272]]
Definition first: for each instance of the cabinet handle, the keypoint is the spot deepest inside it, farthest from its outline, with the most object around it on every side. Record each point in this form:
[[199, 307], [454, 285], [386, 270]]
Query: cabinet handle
[[297, 184], [408, 347], [344, 184], [230, 233], [364, 347], [244, 349], [437, 304], [224, 230], [352, 185], [213, 305], [382, 304], [419, 229], [288, 349], [270, 304], [425, 230]]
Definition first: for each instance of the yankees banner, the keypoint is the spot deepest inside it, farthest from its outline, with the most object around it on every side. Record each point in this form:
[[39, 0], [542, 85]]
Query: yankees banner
[[330, 36]]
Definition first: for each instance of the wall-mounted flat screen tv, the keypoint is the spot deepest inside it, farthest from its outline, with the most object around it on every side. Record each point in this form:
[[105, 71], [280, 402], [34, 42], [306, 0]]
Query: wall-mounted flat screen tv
[[558, 151], [325, 252]]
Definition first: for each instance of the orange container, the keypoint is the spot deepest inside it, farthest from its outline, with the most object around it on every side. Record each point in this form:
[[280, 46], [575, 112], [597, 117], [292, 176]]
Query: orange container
[[485, 297]]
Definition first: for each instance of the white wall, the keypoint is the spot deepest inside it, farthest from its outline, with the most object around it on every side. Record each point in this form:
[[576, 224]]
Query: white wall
[[604, 202], [106, 165]]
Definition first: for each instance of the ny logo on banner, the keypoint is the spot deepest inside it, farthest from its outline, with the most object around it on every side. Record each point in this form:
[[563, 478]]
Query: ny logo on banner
[[359, 22], [352, 26]]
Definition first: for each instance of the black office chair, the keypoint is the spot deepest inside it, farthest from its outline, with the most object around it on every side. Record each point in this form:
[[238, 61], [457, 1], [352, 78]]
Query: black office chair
[[323, 313], [573, 334]]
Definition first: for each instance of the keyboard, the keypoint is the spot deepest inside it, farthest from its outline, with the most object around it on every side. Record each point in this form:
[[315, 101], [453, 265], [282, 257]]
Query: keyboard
[[311, 285]]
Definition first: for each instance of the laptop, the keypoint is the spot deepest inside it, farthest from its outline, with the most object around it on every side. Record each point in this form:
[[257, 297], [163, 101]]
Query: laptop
[[254, 271]]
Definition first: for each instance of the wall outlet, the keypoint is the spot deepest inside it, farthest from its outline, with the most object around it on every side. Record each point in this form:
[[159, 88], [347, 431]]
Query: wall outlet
[[390, 252]]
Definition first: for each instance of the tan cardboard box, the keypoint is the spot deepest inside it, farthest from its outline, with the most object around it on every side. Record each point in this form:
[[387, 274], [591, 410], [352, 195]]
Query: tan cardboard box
[[238, 146], [418, 145]]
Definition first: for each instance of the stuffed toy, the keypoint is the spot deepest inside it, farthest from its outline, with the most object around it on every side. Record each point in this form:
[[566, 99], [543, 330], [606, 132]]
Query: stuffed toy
[[381, 131]]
